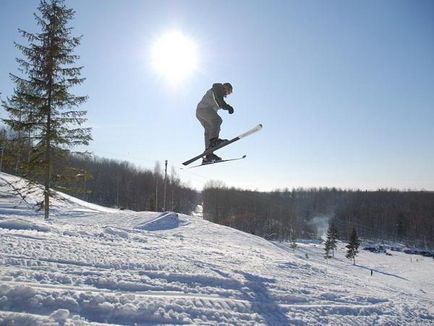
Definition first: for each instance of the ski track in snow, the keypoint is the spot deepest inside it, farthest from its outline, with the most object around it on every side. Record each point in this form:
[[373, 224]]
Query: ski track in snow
[[95, 265]]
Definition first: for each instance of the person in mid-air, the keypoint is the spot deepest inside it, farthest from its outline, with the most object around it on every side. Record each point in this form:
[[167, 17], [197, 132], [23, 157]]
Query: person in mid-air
[[206, 113]]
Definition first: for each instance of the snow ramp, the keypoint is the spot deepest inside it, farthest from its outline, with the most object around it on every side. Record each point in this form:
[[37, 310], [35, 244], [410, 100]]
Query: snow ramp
[[165, 221]]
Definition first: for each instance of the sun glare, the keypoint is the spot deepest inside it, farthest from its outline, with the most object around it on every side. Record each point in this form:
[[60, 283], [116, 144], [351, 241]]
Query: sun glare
[[174, 56]]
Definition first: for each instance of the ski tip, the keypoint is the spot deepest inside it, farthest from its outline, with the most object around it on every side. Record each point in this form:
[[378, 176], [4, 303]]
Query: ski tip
[[260, 125]]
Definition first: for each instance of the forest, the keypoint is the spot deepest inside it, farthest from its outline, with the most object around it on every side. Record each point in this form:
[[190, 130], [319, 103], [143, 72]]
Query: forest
[[383, 215]]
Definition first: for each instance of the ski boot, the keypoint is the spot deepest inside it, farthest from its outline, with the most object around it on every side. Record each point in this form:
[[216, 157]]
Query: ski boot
[[214, 142], [211, 158]]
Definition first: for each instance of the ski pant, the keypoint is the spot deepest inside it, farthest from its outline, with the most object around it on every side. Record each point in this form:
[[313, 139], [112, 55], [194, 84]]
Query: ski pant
[[211, 121]]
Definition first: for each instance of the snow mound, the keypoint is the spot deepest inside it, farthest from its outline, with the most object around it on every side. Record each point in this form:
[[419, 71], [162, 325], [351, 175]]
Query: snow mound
[[60, 315], [165, 221], [18, 224], [116, 232]]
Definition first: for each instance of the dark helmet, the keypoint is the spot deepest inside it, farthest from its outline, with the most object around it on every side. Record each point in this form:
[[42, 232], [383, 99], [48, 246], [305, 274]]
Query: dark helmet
[[228, 85]]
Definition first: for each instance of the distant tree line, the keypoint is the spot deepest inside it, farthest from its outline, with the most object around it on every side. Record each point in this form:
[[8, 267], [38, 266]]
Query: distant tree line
[[404, 216], [272, 215], [106, 182], [121, 184]]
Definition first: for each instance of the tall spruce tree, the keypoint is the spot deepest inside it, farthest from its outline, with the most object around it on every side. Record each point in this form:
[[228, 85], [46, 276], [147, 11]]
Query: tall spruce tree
[[42, 104], [353, 246], [331, 240]]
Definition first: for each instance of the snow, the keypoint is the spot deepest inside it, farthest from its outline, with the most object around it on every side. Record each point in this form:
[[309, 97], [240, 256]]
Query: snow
[[94, 265]]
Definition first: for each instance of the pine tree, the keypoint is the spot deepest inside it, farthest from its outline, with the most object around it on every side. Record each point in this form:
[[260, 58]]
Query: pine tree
[[353, 246], [331, 241], [42, 105]]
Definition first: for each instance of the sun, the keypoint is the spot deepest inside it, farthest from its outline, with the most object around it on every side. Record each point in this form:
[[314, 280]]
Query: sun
[[174, 56]]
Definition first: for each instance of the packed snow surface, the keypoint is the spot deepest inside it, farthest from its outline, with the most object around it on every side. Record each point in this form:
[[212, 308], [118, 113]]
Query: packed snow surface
[[93, 265]]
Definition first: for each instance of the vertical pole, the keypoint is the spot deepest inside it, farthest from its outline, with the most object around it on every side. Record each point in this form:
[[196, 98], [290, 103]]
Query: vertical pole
[[165, 186]]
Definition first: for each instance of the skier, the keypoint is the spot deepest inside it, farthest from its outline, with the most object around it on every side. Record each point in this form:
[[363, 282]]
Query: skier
[[206, 113]]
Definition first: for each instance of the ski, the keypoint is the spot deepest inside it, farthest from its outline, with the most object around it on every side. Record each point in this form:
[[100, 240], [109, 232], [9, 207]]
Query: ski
[[219, 161], [212, 150]]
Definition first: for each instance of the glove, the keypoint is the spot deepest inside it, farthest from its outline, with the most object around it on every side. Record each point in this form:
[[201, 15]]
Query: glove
[[229, 108]]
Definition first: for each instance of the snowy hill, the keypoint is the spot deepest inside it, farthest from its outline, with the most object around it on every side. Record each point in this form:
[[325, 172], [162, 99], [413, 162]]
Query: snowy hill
[[93, 265]]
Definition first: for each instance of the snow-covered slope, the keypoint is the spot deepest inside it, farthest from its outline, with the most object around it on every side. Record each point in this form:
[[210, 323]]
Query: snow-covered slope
[[91, 264]]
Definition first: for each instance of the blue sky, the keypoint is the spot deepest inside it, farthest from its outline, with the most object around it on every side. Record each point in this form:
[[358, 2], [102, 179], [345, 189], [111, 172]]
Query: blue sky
[[344, 89]]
